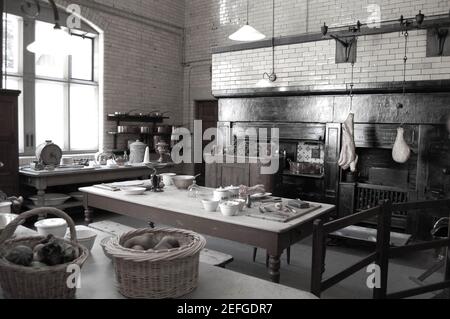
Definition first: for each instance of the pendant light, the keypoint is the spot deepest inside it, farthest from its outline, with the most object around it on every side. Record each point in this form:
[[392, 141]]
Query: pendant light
[[247, 33], [59, 43]]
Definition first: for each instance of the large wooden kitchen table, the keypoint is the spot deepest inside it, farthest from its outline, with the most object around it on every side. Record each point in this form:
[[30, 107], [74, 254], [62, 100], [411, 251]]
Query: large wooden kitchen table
[[98, 280], [173, 207]]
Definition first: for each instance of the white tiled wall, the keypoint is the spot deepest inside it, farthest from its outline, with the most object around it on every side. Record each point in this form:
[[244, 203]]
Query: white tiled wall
[[209, 22]]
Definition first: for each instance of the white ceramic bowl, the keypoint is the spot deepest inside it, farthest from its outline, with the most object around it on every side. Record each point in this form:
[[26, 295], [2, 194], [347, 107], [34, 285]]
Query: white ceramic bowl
[[134, 190], [86, 236], [233, 190], [79, 196], [210, 205], [52, 226], [183, 182], [51, 200], [167, 178], [5, 219], [241, 203], [229, 208], [5, 207]]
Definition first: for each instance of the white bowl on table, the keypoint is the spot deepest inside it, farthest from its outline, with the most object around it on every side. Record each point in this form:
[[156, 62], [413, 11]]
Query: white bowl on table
[[210, 205], [51, 226], [86, 236], [51, 200], [134, 190], [241, 203], [5, 207], [167, 178], [229, 208]]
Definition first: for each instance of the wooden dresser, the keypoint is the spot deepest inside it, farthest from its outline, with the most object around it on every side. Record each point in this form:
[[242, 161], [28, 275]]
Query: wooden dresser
[[9, 142]]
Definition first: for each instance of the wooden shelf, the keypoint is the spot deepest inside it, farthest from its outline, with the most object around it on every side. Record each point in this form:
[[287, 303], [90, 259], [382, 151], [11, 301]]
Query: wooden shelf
[[138, 133], [288, 173], [66, 205], [136, 118]]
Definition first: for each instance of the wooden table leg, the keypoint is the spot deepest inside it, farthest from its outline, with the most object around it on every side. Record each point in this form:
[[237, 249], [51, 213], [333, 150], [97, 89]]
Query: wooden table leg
[[274, 268], [88, 215]]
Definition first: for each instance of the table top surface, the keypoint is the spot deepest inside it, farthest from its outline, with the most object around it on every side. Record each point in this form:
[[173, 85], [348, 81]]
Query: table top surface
[[178, 201], [98, 281]]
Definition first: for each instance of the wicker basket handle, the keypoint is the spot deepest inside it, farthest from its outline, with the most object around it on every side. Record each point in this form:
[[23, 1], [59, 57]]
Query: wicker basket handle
[[9, 231]]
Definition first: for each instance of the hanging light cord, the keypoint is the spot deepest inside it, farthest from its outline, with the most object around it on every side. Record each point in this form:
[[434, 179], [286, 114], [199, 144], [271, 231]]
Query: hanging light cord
[[352, 85], [273, 37], [248, 7], [405, 60], [5, 71]]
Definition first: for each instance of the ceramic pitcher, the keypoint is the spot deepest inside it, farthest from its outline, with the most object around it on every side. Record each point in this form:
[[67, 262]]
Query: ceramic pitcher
[[137, 152]]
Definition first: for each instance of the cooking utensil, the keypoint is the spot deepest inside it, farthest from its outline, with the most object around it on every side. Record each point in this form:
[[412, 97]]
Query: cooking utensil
[[127, 129]]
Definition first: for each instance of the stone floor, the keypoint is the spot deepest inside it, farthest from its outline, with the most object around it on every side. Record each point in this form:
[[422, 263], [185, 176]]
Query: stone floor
[[297, 274]]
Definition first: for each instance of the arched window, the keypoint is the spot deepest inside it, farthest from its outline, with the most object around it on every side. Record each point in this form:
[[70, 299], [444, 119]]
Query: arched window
[[60, 94]]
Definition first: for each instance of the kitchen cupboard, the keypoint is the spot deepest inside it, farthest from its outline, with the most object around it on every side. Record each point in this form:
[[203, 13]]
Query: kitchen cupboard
[[226, 174], [9, 142]]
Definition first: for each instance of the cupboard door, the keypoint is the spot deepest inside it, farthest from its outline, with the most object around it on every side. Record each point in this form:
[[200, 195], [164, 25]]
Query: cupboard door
[[233, 174], [9, 142]]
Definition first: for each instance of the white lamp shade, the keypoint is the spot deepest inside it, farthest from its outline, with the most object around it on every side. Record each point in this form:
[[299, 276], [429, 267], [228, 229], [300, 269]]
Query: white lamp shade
[[58, 44], [247, 34], [265, 83]]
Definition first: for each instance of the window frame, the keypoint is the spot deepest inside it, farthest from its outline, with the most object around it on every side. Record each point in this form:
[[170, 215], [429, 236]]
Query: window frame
[[27, 65]]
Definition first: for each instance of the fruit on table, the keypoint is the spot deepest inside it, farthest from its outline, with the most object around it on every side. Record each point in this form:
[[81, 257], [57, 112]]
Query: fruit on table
[[147, 241], [20, 255], [167, 242]]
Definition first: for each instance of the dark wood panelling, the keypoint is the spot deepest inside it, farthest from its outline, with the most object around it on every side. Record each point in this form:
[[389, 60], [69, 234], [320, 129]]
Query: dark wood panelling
[[9, 142], [383, 135], [332, 170]]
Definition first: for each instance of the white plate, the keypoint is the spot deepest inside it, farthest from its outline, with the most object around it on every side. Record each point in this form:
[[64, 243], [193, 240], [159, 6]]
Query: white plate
[[134, 190], [128, 184], [261, 195]]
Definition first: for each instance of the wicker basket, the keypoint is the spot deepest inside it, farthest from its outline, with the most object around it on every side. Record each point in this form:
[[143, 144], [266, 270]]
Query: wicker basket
[[18, 282], [157, 274]]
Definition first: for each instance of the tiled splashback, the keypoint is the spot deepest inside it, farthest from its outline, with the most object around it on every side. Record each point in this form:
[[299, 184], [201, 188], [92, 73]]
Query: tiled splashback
[[308, 152]]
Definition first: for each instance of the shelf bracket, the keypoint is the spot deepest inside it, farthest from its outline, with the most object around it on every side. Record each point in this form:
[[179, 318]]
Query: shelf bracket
[[345, 49], [437, 44]]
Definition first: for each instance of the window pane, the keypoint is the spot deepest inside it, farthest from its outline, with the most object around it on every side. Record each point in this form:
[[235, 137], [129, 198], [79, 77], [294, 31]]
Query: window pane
[[83, 117], [82, 58], [13, 83], [12, 43], [50, 101], [49, 65]]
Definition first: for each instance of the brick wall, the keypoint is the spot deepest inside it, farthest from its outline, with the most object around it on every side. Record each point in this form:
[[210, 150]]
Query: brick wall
[[380, 57], [143, 43]]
